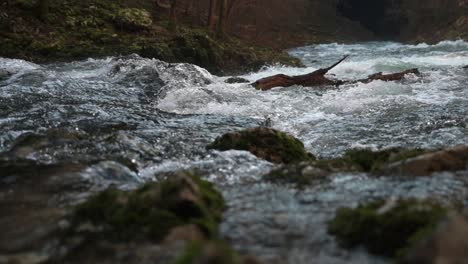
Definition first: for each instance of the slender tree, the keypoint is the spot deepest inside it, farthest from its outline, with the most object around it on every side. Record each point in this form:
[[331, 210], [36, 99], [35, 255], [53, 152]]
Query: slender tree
[[212, 15], [223, 15], [43, 9], [173, 15]]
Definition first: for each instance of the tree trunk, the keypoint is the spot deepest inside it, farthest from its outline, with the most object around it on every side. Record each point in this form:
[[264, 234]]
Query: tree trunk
[[212, 15], [173, 16], [43, 9], [223, 12]]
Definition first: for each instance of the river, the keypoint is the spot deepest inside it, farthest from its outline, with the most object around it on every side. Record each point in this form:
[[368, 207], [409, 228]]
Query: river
[[140, 117]]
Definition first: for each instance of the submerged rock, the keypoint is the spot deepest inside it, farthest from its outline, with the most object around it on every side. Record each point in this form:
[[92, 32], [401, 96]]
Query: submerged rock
[[451, 159], [236, 80], [386, 228], [152, 211], [4, 74], [301, 174], [265, 143]]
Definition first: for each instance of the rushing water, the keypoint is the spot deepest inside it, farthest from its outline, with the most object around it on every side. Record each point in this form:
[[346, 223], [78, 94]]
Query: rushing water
[[156, 117]]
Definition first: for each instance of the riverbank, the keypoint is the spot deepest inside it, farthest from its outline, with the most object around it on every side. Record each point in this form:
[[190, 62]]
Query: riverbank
[[75, 30]]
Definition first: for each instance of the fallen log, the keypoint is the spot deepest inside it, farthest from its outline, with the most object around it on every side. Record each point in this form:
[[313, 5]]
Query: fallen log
[[316, 78]]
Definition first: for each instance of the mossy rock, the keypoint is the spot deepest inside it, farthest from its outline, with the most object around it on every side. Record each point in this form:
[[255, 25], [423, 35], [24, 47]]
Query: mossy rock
[[372, 161], [266, 143], [367, 160], [134, 19], [299, 174], [197, 48], [153, 210], [386, 228]]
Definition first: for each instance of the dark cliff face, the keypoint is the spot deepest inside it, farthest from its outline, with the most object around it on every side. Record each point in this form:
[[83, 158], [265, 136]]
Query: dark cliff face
[[409, 20], [295, 22]]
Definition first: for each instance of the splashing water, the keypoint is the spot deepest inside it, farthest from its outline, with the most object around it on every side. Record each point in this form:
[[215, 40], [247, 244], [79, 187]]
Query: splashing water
[[158, 117]]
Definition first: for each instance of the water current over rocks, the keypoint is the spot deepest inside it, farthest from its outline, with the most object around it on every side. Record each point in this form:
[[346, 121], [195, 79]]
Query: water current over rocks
[[127, 118]]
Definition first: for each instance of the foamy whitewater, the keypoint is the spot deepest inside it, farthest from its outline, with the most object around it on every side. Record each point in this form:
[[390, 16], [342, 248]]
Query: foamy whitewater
[[160, 117]]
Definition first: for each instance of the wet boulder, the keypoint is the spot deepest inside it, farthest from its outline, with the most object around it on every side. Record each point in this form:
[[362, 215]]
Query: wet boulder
[[300, 174], [236, 80], [134, 19], [33, 199], [448, 244], [386, 228], [266, 143], [373, 161], [4, 74], [451, 159], [154, 210]]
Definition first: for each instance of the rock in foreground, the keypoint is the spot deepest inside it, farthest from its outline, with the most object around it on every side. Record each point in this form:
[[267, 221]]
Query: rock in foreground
[[386, 228], [265, 143], [451, 159], [155, 209]]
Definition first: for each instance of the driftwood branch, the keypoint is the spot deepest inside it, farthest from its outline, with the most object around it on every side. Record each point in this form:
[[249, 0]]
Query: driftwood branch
[[317, 78]]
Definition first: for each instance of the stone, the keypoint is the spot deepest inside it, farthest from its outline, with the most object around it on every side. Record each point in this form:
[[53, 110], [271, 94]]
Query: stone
[[236, 80], [448, 244], [266, 143], [451, 159]]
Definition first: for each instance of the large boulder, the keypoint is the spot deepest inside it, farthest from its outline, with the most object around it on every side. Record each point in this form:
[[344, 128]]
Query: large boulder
[[451, 159], [448, 244], [386, 228], [154, 210], [266, 143]]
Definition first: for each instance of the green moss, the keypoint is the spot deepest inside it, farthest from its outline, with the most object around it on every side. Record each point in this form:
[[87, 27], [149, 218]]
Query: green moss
[[197, 47], [97, 28], [372, 161], [133, 19], [266, 143], [386, 231], [213, 252], [153, 210], [301, 174], [367, 160]]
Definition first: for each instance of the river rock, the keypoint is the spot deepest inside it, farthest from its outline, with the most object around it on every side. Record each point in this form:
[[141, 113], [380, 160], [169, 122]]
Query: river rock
[[465, 67], [266, 143], [448, 244], [300, 174], [32, 201], [4, 74], [236, 80], [451, 159], [386, 227], [152, 211]]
